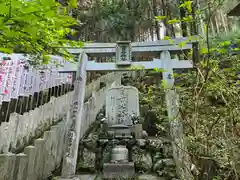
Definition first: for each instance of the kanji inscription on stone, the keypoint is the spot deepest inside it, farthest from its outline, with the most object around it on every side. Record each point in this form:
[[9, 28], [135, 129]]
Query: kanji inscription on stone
[[121, 103]]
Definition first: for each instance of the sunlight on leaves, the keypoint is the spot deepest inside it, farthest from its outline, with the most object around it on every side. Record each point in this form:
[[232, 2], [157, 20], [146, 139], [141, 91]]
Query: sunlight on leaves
[[160, 70], [174, 21], [187, 5], [6, 50], [160, 18], [135, 67]]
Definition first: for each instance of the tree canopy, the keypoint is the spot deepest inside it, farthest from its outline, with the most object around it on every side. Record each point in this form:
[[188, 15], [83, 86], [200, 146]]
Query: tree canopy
[[36, 27]]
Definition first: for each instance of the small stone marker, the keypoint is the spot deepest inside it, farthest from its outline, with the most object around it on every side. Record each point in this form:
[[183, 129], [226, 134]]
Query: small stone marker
[[121, 103]]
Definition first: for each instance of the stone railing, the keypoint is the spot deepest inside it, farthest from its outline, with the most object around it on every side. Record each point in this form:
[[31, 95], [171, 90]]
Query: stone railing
[[20, 129], [52, 119]]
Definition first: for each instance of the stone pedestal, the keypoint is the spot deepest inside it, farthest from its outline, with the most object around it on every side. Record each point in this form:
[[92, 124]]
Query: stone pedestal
[[118, 170]]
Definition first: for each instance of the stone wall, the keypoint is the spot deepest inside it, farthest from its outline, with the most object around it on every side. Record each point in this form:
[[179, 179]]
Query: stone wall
[[45, 154], [150, 156]]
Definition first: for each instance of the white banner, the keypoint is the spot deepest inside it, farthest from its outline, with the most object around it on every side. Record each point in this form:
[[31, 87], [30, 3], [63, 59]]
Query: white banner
[[69, 78], [5, 64], [37, 81], [42, 75], [17, 79], [28, 82], [32, 82], [10, 79], [23, 85]]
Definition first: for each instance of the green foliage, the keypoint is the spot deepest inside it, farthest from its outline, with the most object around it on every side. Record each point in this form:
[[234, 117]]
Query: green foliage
[[137, 67], [36, 27], [159, 70], [210, 109], [73, 3], [160, 18], [187, 5]]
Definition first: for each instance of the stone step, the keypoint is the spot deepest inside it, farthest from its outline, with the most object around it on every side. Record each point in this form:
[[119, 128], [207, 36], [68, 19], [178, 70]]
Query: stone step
[[148, 177], [79, 177], [118, 170], [152, 177]]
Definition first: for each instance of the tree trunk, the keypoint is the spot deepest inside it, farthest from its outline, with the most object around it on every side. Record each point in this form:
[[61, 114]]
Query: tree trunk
[[165, 13], [170, 28], [183, 24], [152, 27], [216, 22], [155, 13], [223, 21], [212, 27]]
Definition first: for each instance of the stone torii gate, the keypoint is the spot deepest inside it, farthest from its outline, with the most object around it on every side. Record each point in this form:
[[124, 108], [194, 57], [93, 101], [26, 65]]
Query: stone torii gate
[[123, 50]]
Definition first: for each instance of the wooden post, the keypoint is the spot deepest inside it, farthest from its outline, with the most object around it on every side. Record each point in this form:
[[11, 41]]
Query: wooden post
[[49, 94], [70, 159], [12, 108], [180, 156], [4, 111], [35, 99]]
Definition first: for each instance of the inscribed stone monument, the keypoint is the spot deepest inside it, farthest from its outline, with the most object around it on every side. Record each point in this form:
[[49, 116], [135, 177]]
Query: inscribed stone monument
[[121, 103]]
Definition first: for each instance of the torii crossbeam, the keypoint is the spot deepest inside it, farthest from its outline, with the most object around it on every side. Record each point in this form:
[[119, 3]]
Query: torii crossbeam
[[121, 64]]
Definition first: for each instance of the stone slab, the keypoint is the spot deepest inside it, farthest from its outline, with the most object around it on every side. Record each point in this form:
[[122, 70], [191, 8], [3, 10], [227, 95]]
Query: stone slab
[[148, 177], [118, 170], [121, 103]]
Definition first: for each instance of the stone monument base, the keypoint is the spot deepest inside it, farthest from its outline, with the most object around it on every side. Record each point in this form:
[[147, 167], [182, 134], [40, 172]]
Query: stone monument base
[[118, 170]]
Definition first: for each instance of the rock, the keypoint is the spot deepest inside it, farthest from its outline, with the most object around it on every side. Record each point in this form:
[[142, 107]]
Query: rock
[[149, 124], [141, 142], [88, 160], [107, 154], [169, 173], [156, 144], [91, 141], [144, 134], [136, 152], [157, 156], [168, 151], [165, 168], [147, 177], [168, 162], [143, 162], [158, 165]]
